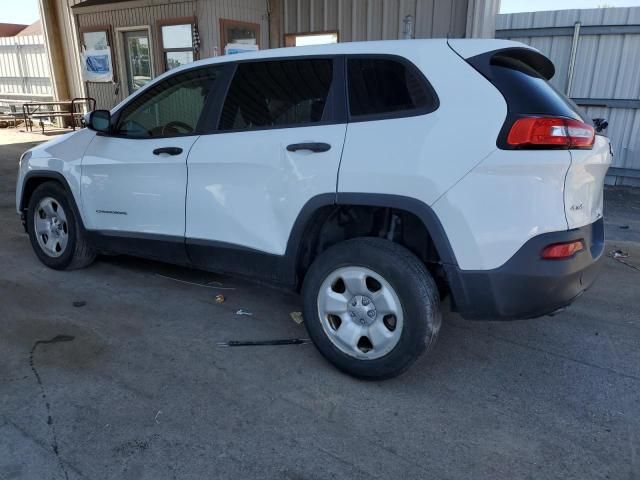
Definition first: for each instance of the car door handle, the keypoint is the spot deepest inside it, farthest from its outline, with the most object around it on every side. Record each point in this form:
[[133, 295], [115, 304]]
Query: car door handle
[[314, 147], [168, 151]]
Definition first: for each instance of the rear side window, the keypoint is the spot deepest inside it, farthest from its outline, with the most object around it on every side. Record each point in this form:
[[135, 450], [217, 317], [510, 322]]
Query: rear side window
[[384, 87], [277, 94], [527, 91], [521, 74]]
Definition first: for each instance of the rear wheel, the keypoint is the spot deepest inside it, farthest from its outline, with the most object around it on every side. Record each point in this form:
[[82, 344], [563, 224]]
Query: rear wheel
[[371, 307], [54, 229]]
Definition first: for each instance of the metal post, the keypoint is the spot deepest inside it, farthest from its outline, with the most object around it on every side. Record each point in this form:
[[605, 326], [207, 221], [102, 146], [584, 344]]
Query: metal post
[[572, 58]]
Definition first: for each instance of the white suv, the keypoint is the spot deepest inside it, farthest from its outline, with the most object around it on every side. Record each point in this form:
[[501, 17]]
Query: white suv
[[375, 177]]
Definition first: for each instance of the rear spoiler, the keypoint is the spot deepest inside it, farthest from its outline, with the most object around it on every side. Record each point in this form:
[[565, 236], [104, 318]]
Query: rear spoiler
[[503, 51]]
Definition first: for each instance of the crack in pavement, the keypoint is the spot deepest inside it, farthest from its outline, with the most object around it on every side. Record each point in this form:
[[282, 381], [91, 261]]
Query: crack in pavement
[[52, 427], [14, 379], [548, 352]]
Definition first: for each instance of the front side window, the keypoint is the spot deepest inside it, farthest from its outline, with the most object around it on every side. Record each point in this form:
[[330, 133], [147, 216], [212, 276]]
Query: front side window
[[277, 94], [173, 107], [381, 86]]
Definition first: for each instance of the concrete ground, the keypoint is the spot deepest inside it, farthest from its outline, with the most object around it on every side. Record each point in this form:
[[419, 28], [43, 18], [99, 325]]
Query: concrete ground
[[134, 385]]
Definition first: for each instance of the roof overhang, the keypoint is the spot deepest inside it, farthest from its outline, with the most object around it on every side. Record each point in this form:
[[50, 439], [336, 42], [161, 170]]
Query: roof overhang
[[91, 6]]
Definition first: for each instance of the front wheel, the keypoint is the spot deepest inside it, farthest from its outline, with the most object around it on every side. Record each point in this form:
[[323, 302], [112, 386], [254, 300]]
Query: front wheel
[[54, 229], [371, 307]]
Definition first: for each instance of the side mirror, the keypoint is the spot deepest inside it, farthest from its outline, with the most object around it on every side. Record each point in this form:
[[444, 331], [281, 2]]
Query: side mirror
[[100, 121]]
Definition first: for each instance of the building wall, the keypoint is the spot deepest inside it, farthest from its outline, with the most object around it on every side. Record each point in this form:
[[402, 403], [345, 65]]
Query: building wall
[[139, 13], [209, 13], [107, 94], [606, 72], [68, 44], [358, 20], [354, 19]]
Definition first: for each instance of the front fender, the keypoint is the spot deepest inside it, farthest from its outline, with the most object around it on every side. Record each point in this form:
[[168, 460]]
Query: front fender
[[59, 159]]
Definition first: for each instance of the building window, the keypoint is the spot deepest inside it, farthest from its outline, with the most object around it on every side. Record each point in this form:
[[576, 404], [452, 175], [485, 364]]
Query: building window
[[177, 42], [234, 32], [95, 40], [137, 58], [312, 38], [277, 94]]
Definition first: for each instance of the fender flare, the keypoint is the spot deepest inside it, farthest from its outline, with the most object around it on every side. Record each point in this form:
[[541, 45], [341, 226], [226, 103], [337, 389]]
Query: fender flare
[[420, 209], [51, 175]]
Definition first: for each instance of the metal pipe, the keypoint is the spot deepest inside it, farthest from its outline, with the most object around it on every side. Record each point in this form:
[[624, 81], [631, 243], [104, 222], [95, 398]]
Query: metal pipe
[[572, 58]]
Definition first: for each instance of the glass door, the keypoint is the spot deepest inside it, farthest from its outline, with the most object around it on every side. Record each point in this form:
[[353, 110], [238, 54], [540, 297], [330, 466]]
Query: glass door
[[137, 59]]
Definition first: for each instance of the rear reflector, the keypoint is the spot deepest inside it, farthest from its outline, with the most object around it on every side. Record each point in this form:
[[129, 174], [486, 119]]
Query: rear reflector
[[539, 132], [558, 251]]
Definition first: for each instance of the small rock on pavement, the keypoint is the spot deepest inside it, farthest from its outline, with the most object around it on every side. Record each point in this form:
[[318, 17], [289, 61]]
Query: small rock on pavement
[[297, 317]]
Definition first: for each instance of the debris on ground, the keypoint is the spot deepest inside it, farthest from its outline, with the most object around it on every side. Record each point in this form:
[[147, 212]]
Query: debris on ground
[[157, 415], [220, 298], [297, 317], [244, 312], [79, 303], [624, 227], [268, 343], [619, 256], [204, 285]]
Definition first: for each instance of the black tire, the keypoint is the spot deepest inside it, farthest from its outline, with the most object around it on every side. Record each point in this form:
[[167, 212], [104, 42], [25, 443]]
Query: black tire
[[77, 253], [414, 286]]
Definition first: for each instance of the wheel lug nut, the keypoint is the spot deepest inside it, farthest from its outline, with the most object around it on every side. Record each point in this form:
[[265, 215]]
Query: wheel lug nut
[[371, 313]]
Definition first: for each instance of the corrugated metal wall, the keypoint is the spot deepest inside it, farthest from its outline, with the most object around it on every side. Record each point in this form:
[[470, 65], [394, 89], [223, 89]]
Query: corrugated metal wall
[[607, 69], [24, 68], [358, 20]]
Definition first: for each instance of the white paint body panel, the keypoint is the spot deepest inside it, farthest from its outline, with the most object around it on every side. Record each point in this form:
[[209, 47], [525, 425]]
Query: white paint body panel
[[245, 188], [585, 183], [61, 155], [123, 175], [509, 198], [467, 49], [423, 156]]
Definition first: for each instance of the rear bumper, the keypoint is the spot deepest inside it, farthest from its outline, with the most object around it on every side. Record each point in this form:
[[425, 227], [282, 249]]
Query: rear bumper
[[527, 286]]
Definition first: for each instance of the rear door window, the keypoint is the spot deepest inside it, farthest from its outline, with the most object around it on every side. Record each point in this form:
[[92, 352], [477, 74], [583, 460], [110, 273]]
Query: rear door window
[[272, 94], [387, 88]]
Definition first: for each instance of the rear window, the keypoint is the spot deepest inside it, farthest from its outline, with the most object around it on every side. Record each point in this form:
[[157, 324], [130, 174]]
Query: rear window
[[387, 88], [527, 91]]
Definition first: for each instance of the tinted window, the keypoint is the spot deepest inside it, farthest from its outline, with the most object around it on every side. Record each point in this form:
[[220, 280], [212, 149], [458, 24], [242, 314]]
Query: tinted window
[[277, 93], [381, 86], [527, 91], [172, 107]]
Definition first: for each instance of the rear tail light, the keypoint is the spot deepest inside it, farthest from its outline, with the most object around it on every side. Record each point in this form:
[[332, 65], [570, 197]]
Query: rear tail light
[[559, 251], [537, 132]]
